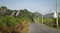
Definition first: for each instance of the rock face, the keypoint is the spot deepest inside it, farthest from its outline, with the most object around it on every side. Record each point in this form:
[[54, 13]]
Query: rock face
[[3, 10], [12, 13], [15, 13]]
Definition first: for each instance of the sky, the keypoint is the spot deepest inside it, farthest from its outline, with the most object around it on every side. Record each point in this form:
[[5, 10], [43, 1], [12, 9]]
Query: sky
[[41, 6]]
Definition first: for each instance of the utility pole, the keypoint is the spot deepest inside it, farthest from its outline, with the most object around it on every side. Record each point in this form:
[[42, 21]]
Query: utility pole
[[42, 19], [38, 17], [57, 13]]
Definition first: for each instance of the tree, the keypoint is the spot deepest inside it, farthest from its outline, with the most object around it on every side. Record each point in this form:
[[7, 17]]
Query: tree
[[8, 12]]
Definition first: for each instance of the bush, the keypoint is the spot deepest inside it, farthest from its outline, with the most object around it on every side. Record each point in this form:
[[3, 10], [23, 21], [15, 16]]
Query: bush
[[11, 21], [2, 21], [59, 21]]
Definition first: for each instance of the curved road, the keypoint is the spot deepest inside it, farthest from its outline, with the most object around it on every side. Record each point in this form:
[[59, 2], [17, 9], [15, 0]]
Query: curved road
[[39, 28]]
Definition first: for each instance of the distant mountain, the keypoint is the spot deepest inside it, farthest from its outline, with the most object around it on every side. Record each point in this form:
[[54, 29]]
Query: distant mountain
[[50, 15]]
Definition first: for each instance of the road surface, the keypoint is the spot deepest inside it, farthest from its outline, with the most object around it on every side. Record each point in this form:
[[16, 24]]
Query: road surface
[[39, 28]]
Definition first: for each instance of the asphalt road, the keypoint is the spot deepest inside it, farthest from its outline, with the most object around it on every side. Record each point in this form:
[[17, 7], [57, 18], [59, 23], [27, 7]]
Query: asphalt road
[[39, 28]]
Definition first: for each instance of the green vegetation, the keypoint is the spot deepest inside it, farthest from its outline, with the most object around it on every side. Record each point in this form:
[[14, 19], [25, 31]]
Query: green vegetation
[[51, 22], [11, 21], [2, 21], [19, 24], [11, 24]]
